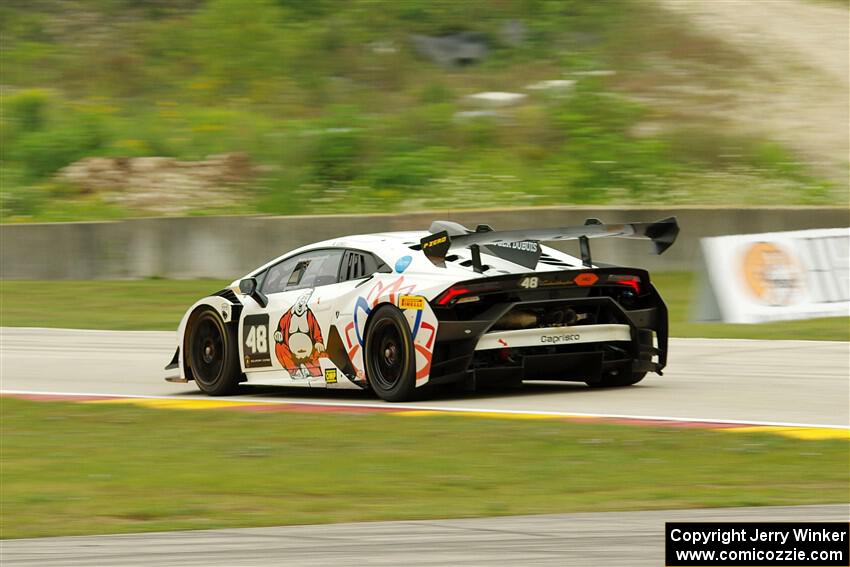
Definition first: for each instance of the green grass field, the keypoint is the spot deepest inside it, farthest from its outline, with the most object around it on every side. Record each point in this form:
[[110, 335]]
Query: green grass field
[[159, 304], [678, 290], [73, 468], [138, 305]]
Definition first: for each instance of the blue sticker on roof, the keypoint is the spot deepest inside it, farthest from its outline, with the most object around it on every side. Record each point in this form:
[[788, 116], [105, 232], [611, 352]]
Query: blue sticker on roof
[[402, 263]]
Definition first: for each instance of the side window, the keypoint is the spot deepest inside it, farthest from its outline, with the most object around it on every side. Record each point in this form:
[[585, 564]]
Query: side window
[[277, 276], [309, 269], [358, 265], [315, 269], [297, 275]]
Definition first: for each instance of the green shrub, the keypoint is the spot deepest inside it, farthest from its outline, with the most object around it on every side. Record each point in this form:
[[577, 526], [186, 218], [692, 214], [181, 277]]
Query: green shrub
[[597, 125], [337, 146], [17, 199], [409, 170], [44, 152], [435, 93], [27, 109], [238, 43]]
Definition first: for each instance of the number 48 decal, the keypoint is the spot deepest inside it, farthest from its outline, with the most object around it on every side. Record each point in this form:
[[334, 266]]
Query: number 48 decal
[[529, 283], [256, 340]]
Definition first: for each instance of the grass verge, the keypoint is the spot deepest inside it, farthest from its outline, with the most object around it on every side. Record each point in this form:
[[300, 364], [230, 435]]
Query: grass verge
[[74, 468], [679, 291], [126, 305], [159, 304]]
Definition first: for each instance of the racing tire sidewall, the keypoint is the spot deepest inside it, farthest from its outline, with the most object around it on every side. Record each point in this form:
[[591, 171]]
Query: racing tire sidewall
[[403, 388], [226, 380]]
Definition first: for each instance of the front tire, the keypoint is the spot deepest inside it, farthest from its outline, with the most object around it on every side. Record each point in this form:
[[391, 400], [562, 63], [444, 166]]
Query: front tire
[[213, 355], [390, 357]]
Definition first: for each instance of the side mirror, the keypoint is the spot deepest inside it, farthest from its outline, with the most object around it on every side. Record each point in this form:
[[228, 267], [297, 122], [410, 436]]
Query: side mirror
[[248, 286]]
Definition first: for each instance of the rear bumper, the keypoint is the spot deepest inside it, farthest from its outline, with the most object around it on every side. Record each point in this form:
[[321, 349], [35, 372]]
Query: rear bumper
[[628, 341], [584, 362], [566, 367]]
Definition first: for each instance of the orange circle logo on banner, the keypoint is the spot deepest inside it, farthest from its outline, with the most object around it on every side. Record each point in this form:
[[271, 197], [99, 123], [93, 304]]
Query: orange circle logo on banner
[[772, 274]]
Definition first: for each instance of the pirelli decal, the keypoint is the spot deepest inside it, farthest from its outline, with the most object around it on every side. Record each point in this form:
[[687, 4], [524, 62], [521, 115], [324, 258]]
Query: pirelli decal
[[416, 302]]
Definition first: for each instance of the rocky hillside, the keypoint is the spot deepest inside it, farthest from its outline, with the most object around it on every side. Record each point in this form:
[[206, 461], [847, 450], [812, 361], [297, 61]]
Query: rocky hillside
[[357, 105]]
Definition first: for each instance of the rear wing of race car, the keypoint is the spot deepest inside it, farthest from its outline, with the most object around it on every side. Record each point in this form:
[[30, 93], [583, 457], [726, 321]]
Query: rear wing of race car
[[522, 246]]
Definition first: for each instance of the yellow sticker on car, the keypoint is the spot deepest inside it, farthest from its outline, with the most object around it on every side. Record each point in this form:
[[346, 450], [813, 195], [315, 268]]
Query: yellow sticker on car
[[411, 302], [330, 376], [435, 242]]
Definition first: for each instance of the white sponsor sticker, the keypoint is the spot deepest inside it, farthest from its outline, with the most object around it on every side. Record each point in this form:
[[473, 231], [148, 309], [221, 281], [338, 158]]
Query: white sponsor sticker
[[552, 336]]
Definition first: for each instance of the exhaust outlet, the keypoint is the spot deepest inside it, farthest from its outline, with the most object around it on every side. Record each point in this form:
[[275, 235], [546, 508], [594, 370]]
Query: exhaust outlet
[[517, 320]]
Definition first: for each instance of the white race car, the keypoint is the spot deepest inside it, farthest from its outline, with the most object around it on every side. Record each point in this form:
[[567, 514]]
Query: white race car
[[393, 312]]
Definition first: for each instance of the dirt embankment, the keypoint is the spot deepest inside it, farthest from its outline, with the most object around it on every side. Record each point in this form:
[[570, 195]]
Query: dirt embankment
[[800, 94]]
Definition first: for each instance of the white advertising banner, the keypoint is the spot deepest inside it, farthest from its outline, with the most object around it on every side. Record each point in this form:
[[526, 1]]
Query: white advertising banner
[[755, 278]]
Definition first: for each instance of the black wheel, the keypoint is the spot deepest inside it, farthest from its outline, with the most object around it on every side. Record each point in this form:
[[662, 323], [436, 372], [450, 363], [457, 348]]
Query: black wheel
[[213, 356], [390, 357]]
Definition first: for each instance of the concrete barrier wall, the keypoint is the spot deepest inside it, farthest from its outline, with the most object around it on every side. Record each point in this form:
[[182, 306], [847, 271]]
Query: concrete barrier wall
[[228, 247]]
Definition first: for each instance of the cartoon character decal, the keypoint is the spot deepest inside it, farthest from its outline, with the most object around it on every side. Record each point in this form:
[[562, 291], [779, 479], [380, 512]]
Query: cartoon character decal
[[423, 331], [298, 341]]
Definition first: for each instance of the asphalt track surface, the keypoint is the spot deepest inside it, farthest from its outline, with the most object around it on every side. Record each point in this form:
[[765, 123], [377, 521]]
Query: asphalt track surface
[[783, 382], [633, 539]]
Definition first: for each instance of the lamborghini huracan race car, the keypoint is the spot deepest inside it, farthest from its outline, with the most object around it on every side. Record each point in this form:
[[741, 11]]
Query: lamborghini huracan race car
[[393, 312]]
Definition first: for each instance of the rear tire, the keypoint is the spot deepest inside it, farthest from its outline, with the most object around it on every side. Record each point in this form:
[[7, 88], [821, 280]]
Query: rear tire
[[389, 355], [213, 355]]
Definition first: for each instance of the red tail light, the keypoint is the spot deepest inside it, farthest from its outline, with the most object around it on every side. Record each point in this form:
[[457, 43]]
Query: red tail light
[[631, 281], [451, 293]]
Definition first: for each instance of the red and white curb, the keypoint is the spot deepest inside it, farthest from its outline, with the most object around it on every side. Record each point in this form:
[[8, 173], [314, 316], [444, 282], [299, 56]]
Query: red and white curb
[[792, 430]]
